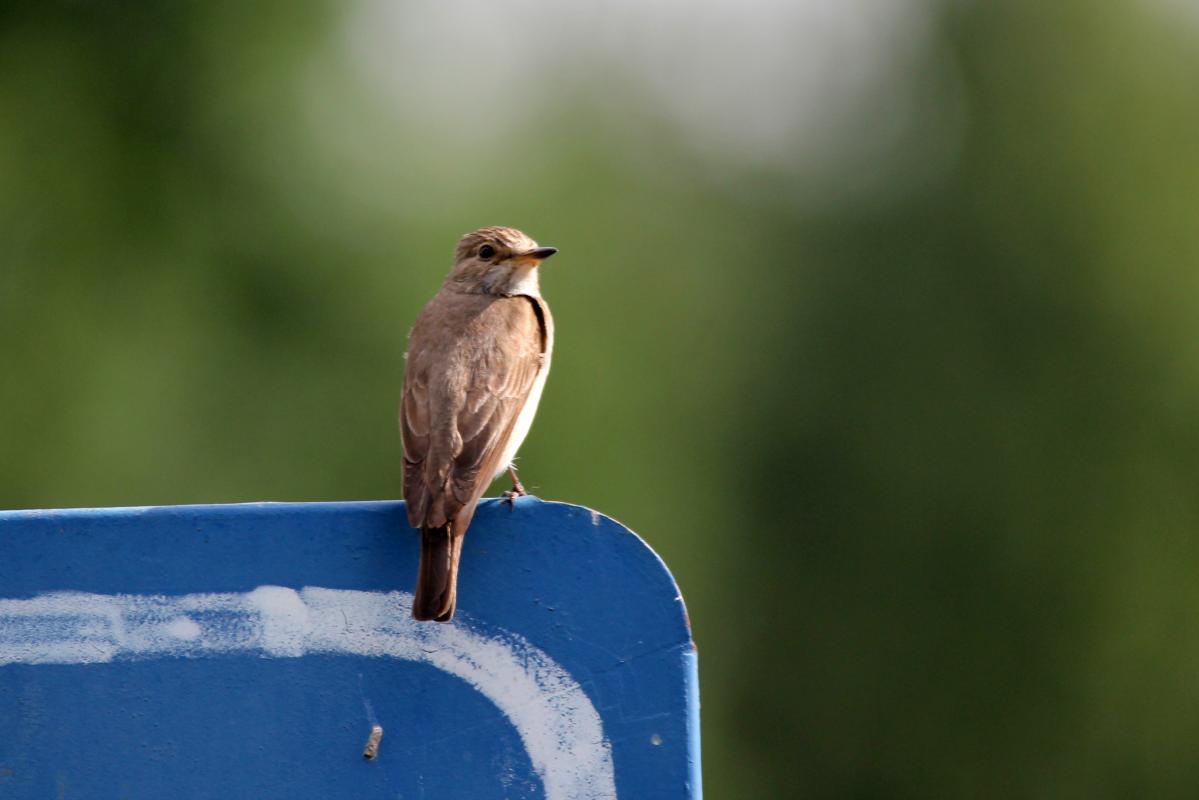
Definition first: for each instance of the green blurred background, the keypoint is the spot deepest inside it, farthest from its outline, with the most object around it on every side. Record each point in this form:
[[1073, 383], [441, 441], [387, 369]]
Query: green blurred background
[[877, 319]]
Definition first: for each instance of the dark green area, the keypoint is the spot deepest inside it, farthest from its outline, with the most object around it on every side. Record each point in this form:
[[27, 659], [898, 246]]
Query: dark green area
[[922, 455]]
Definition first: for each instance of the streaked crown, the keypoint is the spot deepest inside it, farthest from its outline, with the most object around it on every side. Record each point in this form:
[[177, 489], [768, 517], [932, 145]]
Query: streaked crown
[[505, 241]]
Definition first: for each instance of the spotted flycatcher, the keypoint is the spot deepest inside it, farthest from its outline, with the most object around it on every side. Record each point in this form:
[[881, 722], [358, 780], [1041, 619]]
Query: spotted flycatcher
[[476, 364]]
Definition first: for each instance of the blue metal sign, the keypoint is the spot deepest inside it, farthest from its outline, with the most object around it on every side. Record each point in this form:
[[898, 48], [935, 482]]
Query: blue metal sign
[[267, 650]]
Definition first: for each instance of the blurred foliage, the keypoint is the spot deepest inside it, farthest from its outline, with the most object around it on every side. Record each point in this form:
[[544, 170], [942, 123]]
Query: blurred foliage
[[922, 454]]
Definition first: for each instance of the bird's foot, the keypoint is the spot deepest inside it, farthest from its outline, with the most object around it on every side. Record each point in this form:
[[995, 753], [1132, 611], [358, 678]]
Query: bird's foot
[[517, 490]]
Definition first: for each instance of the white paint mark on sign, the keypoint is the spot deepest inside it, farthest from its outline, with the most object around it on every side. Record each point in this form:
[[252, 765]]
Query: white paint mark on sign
[[560, 728]]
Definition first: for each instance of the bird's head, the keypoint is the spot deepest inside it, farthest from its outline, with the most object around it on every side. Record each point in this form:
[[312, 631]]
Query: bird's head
[[498, 261]]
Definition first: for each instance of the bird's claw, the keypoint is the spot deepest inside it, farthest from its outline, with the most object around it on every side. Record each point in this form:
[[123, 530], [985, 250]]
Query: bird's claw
[[517, 490]]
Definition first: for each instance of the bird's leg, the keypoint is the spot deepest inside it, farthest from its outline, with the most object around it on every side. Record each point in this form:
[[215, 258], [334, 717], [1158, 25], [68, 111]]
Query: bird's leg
[[517, 490]]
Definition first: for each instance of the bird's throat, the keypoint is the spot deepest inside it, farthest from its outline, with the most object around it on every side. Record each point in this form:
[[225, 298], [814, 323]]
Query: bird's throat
[[521, 280]]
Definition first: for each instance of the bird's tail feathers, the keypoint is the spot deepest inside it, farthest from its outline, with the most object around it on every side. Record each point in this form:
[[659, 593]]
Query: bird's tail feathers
[[437, 581]]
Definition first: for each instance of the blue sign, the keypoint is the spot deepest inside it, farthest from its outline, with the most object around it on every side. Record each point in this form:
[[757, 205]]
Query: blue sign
[[268, 650]]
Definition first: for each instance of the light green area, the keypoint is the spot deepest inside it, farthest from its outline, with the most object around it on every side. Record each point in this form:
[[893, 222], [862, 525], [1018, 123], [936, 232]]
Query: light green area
[[914, 426]]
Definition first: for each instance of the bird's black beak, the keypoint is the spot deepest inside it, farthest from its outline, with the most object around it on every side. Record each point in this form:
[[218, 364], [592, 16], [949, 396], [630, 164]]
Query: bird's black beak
[[540, 253]]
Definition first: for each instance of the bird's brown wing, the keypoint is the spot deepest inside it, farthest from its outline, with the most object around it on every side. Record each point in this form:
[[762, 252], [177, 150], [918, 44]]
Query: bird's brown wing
[[462, 396], [414, 431]]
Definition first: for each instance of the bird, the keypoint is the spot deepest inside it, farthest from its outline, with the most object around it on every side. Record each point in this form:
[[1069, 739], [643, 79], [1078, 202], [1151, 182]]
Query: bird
[[477, 359]]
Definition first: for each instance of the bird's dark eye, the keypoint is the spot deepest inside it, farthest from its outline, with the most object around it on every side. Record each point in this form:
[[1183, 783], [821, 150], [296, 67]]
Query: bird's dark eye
[[486, 251]]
